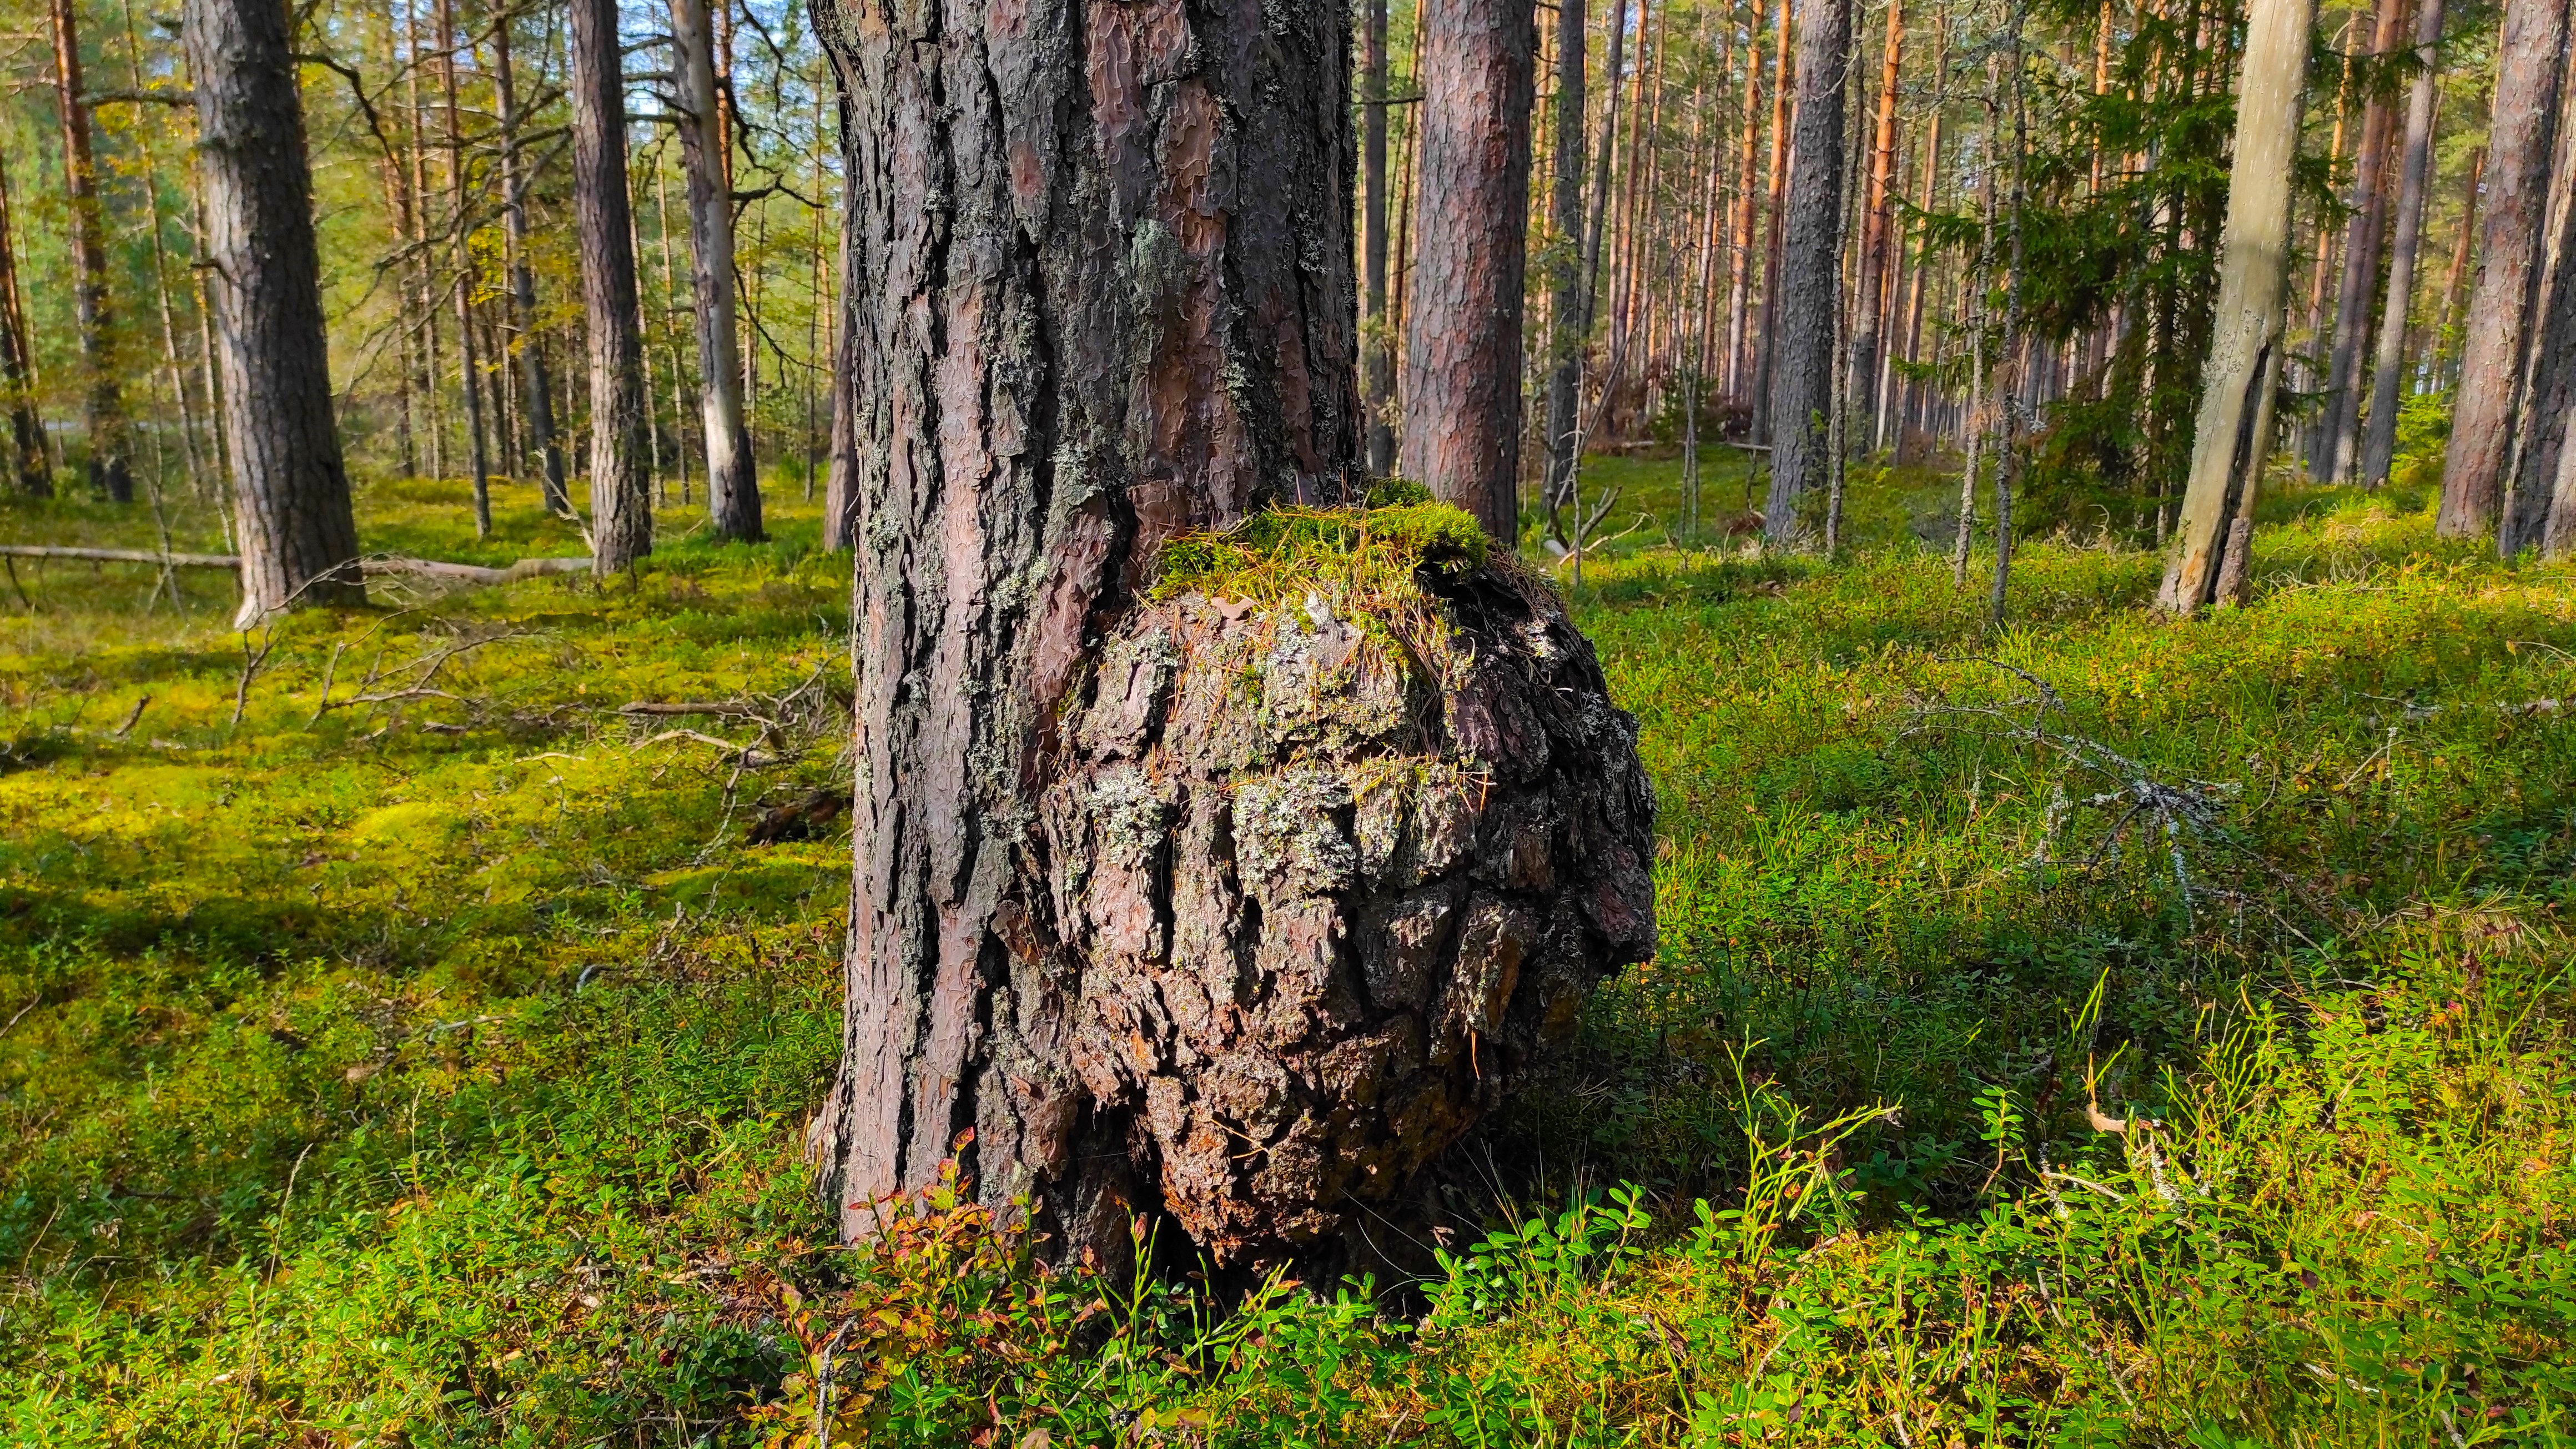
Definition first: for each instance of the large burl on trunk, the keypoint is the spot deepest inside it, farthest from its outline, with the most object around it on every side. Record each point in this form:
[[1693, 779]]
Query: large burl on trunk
[[1116, 904], [1339, 869]]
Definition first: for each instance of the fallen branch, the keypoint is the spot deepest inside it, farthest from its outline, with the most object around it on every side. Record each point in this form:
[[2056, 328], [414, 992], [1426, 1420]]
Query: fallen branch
[[734, 707], [526, 568]]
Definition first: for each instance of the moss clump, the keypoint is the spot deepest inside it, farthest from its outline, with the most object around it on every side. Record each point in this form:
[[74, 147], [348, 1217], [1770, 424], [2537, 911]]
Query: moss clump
[[1285, 551]]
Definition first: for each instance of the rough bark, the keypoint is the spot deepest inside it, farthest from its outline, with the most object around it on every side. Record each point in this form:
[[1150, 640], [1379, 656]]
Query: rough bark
[[1427, 865], [2233, 441], [1878, 205], [2531, 62], [1810, 281], [538, 391], [1566, 309], [27, 461], [1101, 910], [1377, 382], [110, 469], [1462, 346], [2338, 445], [621, 501], [733, 488], [2533, 477], [296, 529], [2379, 445]]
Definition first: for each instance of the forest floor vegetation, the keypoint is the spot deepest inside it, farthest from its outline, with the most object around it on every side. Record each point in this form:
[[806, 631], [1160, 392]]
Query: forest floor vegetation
[[2095, 1030]]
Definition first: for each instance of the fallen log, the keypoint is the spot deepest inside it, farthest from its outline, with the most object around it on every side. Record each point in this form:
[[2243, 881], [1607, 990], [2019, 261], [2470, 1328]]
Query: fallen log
[[526, 568]]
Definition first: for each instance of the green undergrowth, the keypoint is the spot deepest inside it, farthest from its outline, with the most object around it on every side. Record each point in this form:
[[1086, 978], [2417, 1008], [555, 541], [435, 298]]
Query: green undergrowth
[[2096, 1030]]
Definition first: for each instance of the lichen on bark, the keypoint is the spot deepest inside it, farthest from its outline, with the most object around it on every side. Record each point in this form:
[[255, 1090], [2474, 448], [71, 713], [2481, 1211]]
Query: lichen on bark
[[1339, 868]]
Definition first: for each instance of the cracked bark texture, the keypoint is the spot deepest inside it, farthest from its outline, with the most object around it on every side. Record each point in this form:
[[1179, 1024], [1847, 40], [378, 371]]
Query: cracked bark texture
[[1335, 893], [298, 533], [1109, 299], [621, 499]]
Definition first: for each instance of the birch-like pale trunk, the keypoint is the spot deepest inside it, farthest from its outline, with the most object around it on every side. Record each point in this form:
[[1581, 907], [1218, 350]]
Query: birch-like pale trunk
[[2230, 447], [733, 490]]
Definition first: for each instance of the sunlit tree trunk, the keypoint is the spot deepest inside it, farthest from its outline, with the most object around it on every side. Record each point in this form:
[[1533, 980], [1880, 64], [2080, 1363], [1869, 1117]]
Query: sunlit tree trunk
[[733, 489], [621, 500], [1878, 203], [2534, 479], [1038, 413], [2230, 445], [1462, 354], [296, 531], [469, 368], [110, 468], [2379, 446], [1739, 261], [1765, 343], [1566, 310], [1810, 286], [34, 473], [2531, 63], [1378, 381]]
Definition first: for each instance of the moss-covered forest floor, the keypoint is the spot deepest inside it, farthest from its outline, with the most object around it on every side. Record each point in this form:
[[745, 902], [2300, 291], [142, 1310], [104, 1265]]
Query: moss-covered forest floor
[[2096, 1030]]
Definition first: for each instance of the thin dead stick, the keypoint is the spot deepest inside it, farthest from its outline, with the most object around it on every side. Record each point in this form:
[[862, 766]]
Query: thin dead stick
[[131, 715], [330, 672], [12, 565]]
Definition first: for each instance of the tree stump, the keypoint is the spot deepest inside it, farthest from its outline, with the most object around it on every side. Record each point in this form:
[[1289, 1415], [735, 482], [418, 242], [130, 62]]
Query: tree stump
[[1339, 866]]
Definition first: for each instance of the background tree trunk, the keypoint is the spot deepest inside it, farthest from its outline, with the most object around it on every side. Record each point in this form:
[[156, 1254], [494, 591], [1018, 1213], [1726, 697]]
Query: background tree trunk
[[1379, 380], [2531, 62], [1566, 309], [2379, 446], [1765, 345], [733, 485], [1860, 387], [538, 390], [1810, 279], [2339, 438], [1039, 408], [1462, 362], [2231, 443], [35, 473], [110, 469], [621, 500], [1739, 261], [297, 533], [469, 368]]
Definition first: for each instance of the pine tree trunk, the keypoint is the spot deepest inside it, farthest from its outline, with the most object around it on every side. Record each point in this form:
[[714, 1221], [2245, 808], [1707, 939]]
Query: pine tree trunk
[[538, 396], [733, 488], [1739, 262], [1378, 382], [2531, 62], [2231, 443], [1810, 285], [1766, 343], [2379, 446], [297, 533], [110, 469], [35, 475], [2539, 452], [1566, 310], [621, 501], [1137, 990], [469, 367], [2338, 449], [1877, 212], [1462, 354]]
